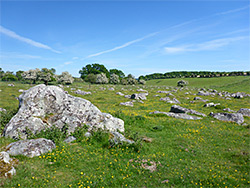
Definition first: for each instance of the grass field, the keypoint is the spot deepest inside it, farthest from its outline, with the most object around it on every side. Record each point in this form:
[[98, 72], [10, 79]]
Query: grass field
[[201, 153]]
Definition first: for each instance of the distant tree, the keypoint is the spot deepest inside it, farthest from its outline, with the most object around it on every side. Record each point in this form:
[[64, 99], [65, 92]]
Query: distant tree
[[9, 77], [93, 69], [91, 78], [65, 78], [45, 75], [117, 72], [53, 70], [101, 79], [31, 75], [114, 79], [19, 75], [1, 73], [124, 81], [132, 81]]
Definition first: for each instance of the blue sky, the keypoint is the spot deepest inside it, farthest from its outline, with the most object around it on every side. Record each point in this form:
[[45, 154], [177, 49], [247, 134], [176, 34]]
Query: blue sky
[[137, 37]]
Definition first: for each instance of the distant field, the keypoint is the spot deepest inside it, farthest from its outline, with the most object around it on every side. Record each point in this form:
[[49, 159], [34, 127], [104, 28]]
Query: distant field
[[232, 84], [188, 153]]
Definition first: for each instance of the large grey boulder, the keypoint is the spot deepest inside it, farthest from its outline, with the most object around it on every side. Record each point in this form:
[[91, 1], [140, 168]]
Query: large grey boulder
[[179, 109], [234, 117], [7, 165], [30, 148], [244, 111], [43, 106], [177, 115]]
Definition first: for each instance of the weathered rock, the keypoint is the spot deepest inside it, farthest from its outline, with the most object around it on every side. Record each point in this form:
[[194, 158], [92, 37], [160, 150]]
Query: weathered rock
[[163, 92], [142, 90], [7, 165], [179, 109], [202, 93], [119, 93], [2, 110], [30, 148], [118, 138], [70, 139], [244, 111], [129, 103], [111, 89], [177, 115], [87, 134], [228, 110], [168, 100], [234, 117], [80, 92], [197, 98], [11, 85], [237, 95], [43, 106], [211, 104], [127, 96], [140, 96], [21, 90]]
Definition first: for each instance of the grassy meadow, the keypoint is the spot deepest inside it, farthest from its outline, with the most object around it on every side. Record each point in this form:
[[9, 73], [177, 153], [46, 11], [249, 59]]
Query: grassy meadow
[[185, 153]]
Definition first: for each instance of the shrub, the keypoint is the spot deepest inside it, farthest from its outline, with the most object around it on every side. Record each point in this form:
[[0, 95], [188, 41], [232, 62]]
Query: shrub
[[182, 83], [114, 79], [101, 79], [65, 78]]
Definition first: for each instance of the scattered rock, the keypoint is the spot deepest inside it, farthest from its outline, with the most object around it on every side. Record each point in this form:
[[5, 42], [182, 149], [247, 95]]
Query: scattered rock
[[234, 117], [140, 96], [118, 138], [7, 165], [129, 103], [70, 139], [197, 98], [202, 93], [30, 148], [163, 92], [228, 110], [80, 92], [111, 89], [211, 104], [244, 111], [179, 109], [11, 85], [168, 100], [127, 96], [142, 90], [87, 134], [119, 93], [2, 110], [43, 106], [21, 90], [146, 139], [237, 95], [177, 115]]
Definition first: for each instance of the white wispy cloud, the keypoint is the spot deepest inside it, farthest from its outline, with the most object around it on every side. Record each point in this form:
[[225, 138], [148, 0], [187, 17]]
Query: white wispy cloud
[[122, 46], [209, 45], [15, 55], [233, 11], [12, 34], [68, 62]]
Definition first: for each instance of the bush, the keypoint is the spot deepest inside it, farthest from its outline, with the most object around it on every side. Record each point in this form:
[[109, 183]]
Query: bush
[[65, 78], [182, 83], [101, 79], [9, 77], [114, 79]]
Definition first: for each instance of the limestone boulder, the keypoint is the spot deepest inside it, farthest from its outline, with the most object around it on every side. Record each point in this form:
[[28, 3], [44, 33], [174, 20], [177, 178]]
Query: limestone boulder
[[30, 148], [234, 117], [177, 115], [179, 109], [42, 106], [7, 168], [244, 111]]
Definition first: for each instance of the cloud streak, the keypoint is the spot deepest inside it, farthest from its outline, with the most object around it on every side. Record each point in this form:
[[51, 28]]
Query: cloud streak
[[12, 34], [209, 45], [124, 45]]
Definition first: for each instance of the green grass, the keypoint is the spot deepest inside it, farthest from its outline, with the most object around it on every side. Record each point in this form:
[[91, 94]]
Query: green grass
[[203, 153]]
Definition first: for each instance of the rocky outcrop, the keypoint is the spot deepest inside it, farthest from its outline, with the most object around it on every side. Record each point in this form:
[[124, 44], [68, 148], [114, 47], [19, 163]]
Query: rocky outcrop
[[211, 104], [234, 117], [244, 111], [179, 109], [43, 106], [139, 96], [80, 92], [7, 165], [129, 103], [177, 115], [30, 148]]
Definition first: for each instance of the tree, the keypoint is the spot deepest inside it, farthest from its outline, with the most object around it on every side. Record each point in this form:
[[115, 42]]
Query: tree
[[101, 79], [124, 81], [9, 77], [19, 75], [131, 81], [117, 72], [31, 75], [114, 79], [1, 73], [90, 78], [141, 81], [45, 75], [65, 78], [93, 69]]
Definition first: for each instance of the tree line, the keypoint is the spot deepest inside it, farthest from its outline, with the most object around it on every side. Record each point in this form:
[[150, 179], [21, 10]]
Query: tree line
[[34, 75], [193, 74]]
